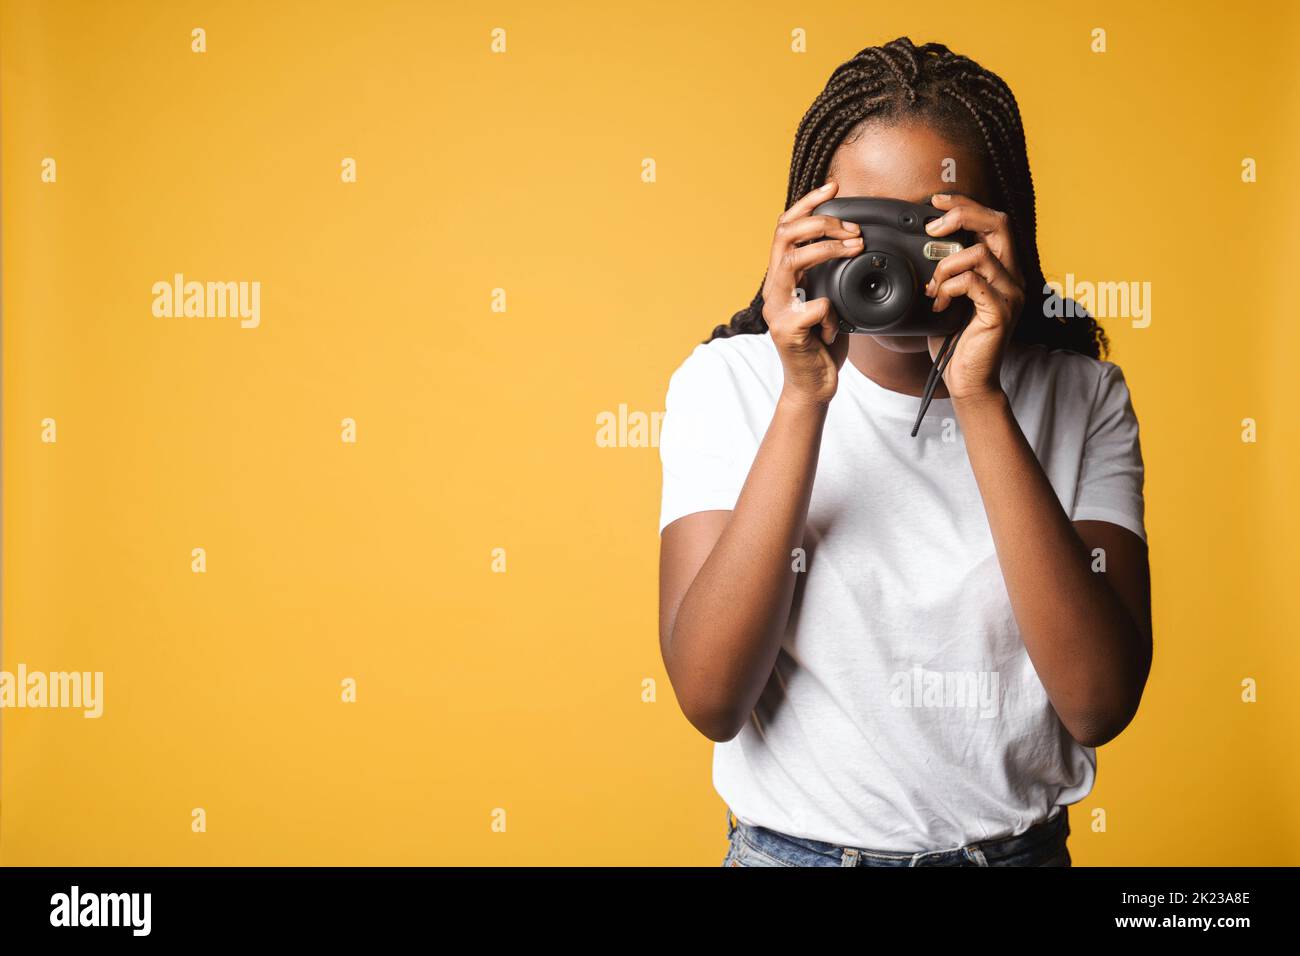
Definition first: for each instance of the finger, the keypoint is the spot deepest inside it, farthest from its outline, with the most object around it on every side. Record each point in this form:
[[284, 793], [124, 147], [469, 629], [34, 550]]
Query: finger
[[810, 228], [990, 225], [788, 267], [988, 301], [829, 328], [979, 259], [790, 235], [802, 316], [977, 218], [812, 315], [803, 258], [791, 232], [810, 202], [808, 327]]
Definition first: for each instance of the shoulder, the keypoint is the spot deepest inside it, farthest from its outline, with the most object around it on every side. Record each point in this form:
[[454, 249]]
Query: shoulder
[[745, 365], [1065, 380]]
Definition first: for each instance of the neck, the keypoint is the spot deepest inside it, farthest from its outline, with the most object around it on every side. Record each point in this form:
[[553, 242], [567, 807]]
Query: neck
[[897, 371]]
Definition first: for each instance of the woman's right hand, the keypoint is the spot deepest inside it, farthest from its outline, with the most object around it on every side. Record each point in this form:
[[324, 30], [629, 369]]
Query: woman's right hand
[[806, 334]]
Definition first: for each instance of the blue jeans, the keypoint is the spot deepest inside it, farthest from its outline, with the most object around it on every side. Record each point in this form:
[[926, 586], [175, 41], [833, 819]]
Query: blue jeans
[[1041, 845]]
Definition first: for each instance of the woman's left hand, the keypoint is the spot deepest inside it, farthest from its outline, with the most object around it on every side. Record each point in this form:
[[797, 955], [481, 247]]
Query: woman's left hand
[[988, 275]]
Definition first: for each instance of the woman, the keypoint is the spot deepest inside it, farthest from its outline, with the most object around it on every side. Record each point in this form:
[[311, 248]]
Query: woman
[[906, 648]]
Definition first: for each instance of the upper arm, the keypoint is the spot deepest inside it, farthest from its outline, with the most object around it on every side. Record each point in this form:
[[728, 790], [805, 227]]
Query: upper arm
[[1111, 471], [715, 414], [1121, 556], [684, 546], [711, 430], [1109, 508]]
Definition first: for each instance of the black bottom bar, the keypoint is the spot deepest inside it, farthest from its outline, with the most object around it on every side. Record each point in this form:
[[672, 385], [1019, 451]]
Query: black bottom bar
[[933, 907]]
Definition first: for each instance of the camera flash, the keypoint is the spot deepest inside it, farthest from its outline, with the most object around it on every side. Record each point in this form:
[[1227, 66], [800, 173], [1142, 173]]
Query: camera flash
[[937, 249]]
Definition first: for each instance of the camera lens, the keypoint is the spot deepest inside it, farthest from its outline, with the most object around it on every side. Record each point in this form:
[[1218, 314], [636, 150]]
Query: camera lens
[[876, 287]]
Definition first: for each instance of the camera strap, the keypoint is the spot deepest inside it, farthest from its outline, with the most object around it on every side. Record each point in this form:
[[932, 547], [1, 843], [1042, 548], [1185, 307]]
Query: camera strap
[[941, 360]]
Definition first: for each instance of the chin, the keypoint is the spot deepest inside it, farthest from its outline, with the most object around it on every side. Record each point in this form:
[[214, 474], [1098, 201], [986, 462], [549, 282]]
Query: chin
[[903, 343]]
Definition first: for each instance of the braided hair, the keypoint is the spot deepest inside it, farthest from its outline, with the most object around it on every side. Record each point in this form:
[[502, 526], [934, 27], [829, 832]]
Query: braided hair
[[957, 97]]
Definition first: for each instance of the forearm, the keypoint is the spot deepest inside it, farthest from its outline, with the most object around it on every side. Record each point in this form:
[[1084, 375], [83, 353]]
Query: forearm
[[728, 629], [1084, 644]]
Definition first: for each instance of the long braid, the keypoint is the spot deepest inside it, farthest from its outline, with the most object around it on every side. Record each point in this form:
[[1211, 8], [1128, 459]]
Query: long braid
[[959, 97]]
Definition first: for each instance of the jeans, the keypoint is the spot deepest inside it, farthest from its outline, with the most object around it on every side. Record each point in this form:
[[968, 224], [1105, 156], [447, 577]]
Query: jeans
[[1041, 845]]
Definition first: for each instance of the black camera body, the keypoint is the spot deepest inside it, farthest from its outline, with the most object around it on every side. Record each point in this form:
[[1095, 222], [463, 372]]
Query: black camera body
[[880, 291]]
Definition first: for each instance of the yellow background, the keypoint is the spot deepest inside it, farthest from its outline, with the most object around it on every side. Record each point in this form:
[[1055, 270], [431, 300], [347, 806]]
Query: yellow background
[[476, 430]]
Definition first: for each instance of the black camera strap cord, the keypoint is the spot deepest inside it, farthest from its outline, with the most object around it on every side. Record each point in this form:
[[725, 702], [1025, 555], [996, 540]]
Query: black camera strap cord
[[941, 360]]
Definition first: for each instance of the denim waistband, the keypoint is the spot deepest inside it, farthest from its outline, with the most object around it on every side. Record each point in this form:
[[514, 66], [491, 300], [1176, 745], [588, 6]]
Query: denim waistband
[[1043, 840]]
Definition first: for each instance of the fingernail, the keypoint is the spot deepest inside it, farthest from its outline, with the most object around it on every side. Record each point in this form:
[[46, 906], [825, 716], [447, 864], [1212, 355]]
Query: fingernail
[[826, 186], [851, 226], [855, 241], [939, 196], [934, 224]]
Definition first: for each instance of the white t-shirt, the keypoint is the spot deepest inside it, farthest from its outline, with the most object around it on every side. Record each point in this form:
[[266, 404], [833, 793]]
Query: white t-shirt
[[903, 713]]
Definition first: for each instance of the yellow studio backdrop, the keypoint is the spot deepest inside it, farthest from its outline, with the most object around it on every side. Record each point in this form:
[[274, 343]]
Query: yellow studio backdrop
[[498, 280]]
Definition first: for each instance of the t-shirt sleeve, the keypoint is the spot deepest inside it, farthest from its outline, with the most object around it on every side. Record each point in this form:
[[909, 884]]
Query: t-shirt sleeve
[[1111, 474], [708, 438]]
